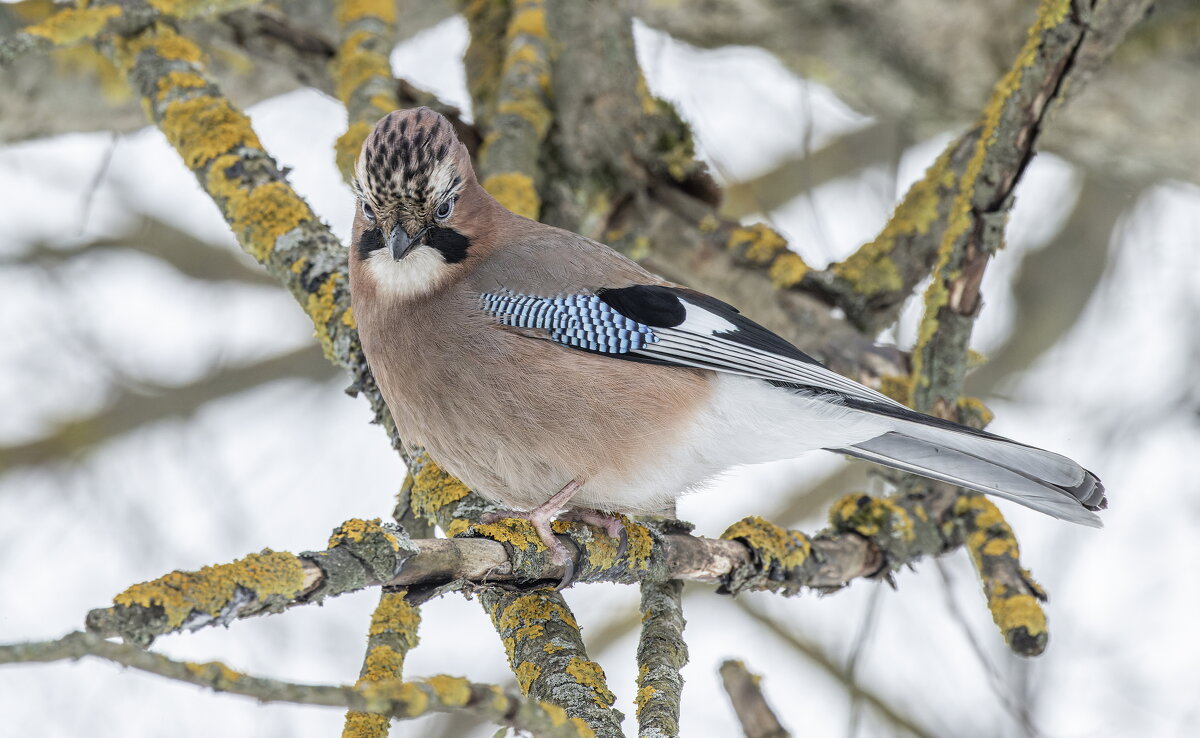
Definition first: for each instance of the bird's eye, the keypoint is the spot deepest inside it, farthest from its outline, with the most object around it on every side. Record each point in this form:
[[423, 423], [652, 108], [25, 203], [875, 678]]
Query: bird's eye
[[444, 210], [368, 211]]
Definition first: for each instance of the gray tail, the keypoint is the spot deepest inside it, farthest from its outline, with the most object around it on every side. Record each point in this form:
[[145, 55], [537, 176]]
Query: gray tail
[[984, 462]]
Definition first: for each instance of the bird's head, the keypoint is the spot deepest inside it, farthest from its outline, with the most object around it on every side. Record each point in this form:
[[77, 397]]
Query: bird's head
[[418, 202]]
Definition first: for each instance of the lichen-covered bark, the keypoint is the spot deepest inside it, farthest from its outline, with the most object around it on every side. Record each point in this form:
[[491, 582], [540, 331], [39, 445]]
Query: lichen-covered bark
[[508, 158], [487, 21], [868, 537], [661, 654], [361, 72], [394, 698], [392, 634], [1008, 132], [546, 652]]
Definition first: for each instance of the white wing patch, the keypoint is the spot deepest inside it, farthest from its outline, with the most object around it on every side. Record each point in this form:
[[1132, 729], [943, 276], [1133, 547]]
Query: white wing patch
[[707, 340], [699, 320]]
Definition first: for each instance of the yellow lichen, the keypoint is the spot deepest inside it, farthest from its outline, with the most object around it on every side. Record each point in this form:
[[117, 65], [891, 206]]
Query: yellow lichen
[[529, 18], [973, 408], [868, 516], [758, 244], [32, 11], [639, 544], [348, 11], [214, 673], [601, 549], [178, 80], [872, 269], [394, 615], [452, 691], [644, 695], [960, 218], [981, 509], [73, 25], [356, 530], [433, 489], [357, 63], [516, 192], [533, 607], [321, 306], [212, 589], [516, 532], [365, 725], [526, 672], [457, 527], [162, 41], [348, 146], [1019, 611], [500, 700], [203, 128], [788, 270], [526, 105], [896, 386], [536, 630], [382, 662], [1001, 547], [589, 674], [771, 543]]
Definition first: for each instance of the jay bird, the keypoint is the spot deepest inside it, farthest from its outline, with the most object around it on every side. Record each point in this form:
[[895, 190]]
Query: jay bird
[[555, 376]]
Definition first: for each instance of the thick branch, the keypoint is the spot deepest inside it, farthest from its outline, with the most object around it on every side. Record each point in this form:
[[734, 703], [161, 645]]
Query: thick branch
[[546, 652], [869, 537]]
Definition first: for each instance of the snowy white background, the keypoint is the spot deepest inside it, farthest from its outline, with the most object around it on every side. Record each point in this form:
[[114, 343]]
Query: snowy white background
[[281, 465]]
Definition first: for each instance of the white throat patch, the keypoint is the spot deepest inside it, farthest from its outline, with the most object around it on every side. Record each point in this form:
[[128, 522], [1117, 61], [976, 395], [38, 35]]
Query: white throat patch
[[414, 275]]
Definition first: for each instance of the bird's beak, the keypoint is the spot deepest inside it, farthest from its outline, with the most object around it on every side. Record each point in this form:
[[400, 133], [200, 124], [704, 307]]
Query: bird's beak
[[399, 243]]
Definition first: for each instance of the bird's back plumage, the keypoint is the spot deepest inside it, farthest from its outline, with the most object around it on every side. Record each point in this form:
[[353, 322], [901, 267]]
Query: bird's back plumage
[[532, 356]]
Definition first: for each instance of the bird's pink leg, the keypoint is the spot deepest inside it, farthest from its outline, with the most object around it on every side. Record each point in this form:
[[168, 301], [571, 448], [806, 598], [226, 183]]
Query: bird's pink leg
[[540, 518], [607, 522]]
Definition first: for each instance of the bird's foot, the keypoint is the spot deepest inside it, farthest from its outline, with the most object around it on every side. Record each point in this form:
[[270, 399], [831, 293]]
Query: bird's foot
[[609, 523], [540, 518]]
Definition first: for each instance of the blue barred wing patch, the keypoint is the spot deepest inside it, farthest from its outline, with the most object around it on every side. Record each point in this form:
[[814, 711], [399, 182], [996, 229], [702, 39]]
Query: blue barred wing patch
[[579, 321]]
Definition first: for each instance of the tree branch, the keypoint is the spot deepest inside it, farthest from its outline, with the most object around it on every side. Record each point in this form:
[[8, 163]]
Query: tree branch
[[546, 652], [187, 254], [362, 72], [756, 716], [392, 634], [826, 662], [508, 162], [130, 410], [393, 698], [661, 654], [869, 537]]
